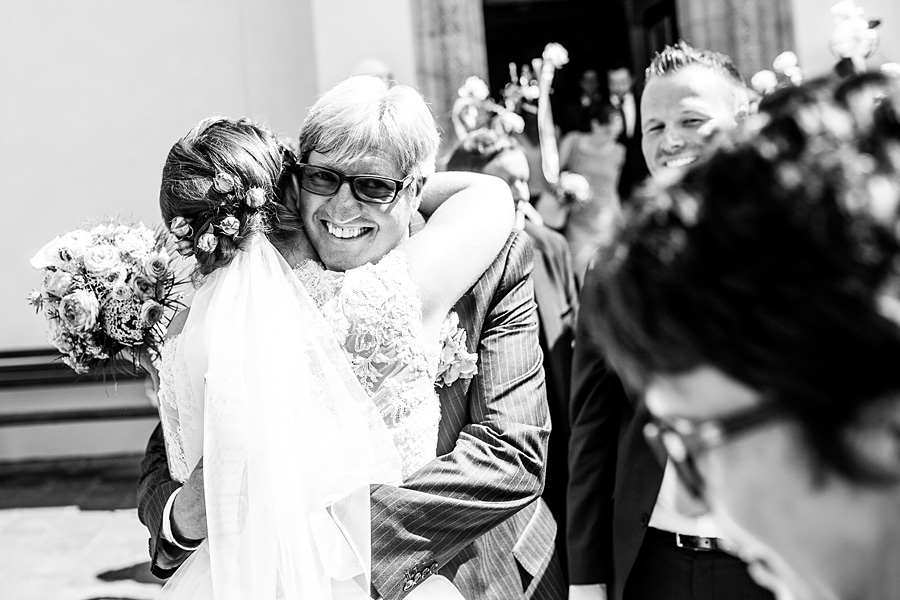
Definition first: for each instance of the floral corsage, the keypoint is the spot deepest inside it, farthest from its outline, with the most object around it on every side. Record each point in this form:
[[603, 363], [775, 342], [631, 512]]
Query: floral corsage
[[455, 361]]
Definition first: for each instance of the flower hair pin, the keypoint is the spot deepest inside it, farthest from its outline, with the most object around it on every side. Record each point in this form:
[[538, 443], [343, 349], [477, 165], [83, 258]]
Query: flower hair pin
[[183, 231], [256, 197], [207, 242], [224, 183], [229, 226]]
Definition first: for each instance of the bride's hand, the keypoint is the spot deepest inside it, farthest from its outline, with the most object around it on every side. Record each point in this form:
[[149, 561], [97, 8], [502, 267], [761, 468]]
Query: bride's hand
[[189, 508]]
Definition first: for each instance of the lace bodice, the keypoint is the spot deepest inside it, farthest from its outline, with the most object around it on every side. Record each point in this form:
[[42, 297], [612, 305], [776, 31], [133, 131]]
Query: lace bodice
[[180, 413], [376, 313]]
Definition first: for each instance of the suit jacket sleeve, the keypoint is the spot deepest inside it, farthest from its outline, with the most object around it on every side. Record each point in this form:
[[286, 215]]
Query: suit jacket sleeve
[[497, 465], [596, 408], [154, 488]]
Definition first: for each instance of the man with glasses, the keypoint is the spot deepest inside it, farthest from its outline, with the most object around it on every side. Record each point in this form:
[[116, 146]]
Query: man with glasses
[[473, 514], [633, 531]]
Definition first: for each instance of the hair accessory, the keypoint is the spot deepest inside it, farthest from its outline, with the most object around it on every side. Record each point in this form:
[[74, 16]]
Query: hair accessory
[[180, 227], [255, 197], [224, 183], [207, 242], [229, 225], [184, 247]]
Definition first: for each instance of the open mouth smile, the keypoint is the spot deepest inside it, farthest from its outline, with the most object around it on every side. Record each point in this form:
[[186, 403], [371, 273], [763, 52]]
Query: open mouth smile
[[345, 233], [680, 162]]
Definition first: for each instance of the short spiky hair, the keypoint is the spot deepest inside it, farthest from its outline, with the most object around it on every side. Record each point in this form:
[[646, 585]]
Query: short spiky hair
[[775, 260], [681, 54], [364, 114]]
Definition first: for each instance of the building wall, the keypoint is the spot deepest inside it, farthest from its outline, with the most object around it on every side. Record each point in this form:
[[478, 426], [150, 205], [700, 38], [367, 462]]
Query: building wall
[[93, 94]]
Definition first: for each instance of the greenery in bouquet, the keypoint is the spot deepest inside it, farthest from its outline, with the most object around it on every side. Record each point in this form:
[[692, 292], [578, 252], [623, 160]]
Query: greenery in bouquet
[[107, 289]]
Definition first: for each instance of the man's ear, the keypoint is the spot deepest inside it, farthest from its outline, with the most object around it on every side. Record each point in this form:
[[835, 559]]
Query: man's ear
[[291, 193], [420, 188], [876, 436]]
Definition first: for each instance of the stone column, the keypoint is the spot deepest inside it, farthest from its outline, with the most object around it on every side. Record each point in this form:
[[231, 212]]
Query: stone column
[[751, 32], [449, 42]]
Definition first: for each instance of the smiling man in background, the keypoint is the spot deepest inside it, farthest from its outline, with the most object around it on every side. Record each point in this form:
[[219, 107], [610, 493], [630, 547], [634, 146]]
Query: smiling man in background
[[628, 536], [690, 96]]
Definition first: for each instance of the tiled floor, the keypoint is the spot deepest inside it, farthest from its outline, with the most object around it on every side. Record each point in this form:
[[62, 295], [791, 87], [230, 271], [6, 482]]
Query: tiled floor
[[69, 531]]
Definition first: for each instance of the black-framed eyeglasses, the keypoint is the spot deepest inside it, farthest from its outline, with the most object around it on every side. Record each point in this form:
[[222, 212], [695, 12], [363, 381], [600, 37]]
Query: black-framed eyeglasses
[[374, 189], [682, 440]]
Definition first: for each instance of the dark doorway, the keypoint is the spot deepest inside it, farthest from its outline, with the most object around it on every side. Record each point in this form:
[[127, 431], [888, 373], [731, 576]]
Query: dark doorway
[[595, 32]]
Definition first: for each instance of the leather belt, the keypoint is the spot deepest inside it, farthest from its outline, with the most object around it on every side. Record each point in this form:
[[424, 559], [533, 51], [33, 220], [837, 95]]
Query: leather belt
[[688, 542]]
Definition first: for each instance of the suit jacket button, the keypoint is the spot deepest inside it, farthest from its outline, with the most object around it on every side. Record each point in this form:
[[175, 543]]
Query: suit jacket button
[[645, 519]]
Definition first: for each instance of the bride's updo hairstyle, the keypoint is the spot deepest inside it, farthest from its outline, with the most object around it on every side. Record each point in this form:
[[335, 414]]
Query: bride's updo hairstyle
[[220, 185]]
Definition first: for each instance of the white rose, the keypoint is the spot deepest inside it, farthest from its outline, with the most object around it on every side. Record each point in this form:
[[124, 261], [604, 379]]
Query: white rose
[[57, 283], [101, 231], [785, 60], [58, 337], [764, 81], [476, 88], [555, 55], [79, 310], [151, 313], [133, 244], [75, 243], [101, 258], [156, 264]]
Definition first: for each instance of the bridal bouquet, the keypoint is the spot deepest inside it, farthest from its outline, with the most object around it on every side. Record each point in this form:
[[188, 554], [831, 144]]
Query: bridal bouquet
[[106, 290]]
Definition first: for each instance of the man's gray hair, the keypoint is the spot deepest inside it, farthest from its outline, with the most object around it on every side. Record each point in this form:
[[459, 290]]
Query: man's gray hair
[[364, 114]]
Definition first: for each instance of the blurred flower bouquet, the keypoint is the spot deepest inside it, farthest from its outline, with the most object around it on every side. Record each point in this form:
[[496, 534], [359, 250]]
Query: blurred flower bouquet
[[572, 188], [106, 290]]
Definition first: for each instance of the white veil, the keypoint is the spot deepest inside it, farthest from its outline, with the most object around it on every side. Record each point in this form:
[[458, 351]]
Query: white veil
[[291, 440]]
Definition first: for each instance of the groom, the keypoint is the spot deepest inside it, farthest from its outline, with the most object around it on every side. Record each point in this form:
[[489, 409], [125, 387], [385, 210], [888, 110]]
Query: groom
[[473, 514]]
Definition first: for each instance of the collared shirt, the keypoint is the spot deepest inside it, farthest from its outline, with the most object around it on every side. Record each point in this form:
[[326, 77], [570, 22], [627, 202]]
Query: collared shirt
[[666, 515], [627, 105]]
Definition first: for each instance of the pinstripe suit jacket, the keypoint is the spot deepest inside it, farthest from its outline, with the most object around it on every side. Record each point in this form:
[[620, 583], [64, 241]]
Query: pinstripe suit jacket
[[471, 513]]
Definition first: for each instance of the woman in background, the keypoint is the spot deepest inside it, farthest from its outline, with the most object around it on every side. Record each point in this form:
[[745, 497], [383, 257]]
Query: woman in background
[[598, 157]]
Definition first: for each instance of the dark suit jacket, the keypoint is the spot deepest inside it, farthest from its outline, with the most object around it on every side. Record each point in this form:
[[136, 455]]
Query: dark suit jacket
[[557, 302], [614, 477], [471, 511], [634, 169]]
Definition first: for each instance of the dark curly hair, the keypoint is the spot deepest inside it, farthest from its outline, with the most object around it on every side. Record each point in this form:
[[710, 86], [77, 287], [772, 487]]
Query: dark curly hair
[[250, 156], [775, 260]]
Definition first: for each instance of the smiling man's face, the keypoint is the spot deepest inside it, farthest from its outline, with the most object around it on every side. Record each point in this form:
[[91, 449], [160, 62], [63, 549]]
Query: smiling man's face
[[348, 233], [680, 113]]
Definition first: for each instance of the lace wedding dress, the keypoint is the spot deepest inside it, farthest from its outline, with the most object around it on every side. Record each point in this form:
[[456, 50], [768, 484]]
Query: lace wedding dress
[[375, 314]]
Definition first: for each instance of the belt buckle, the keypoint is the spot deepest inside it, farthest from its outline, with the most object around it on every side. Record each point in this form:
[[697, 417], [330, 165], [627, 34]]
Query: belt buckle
[[696, 543]]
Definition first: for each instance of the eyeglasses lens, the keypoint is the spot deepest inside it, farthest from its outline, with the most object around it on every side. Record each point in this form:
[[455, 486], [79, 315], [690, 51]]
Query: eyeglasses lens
[[319, 181], [374, 188]]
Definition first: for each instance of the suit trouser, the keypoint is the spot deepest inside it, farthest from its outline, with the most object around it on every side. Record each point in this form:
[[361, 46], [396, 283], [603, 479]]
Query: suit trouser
[[663, 571]]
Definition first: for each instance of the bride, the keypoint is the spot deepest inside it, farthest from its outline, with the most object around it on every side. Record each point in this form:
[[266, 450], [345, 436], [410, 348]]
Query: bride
[[295, 387]]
